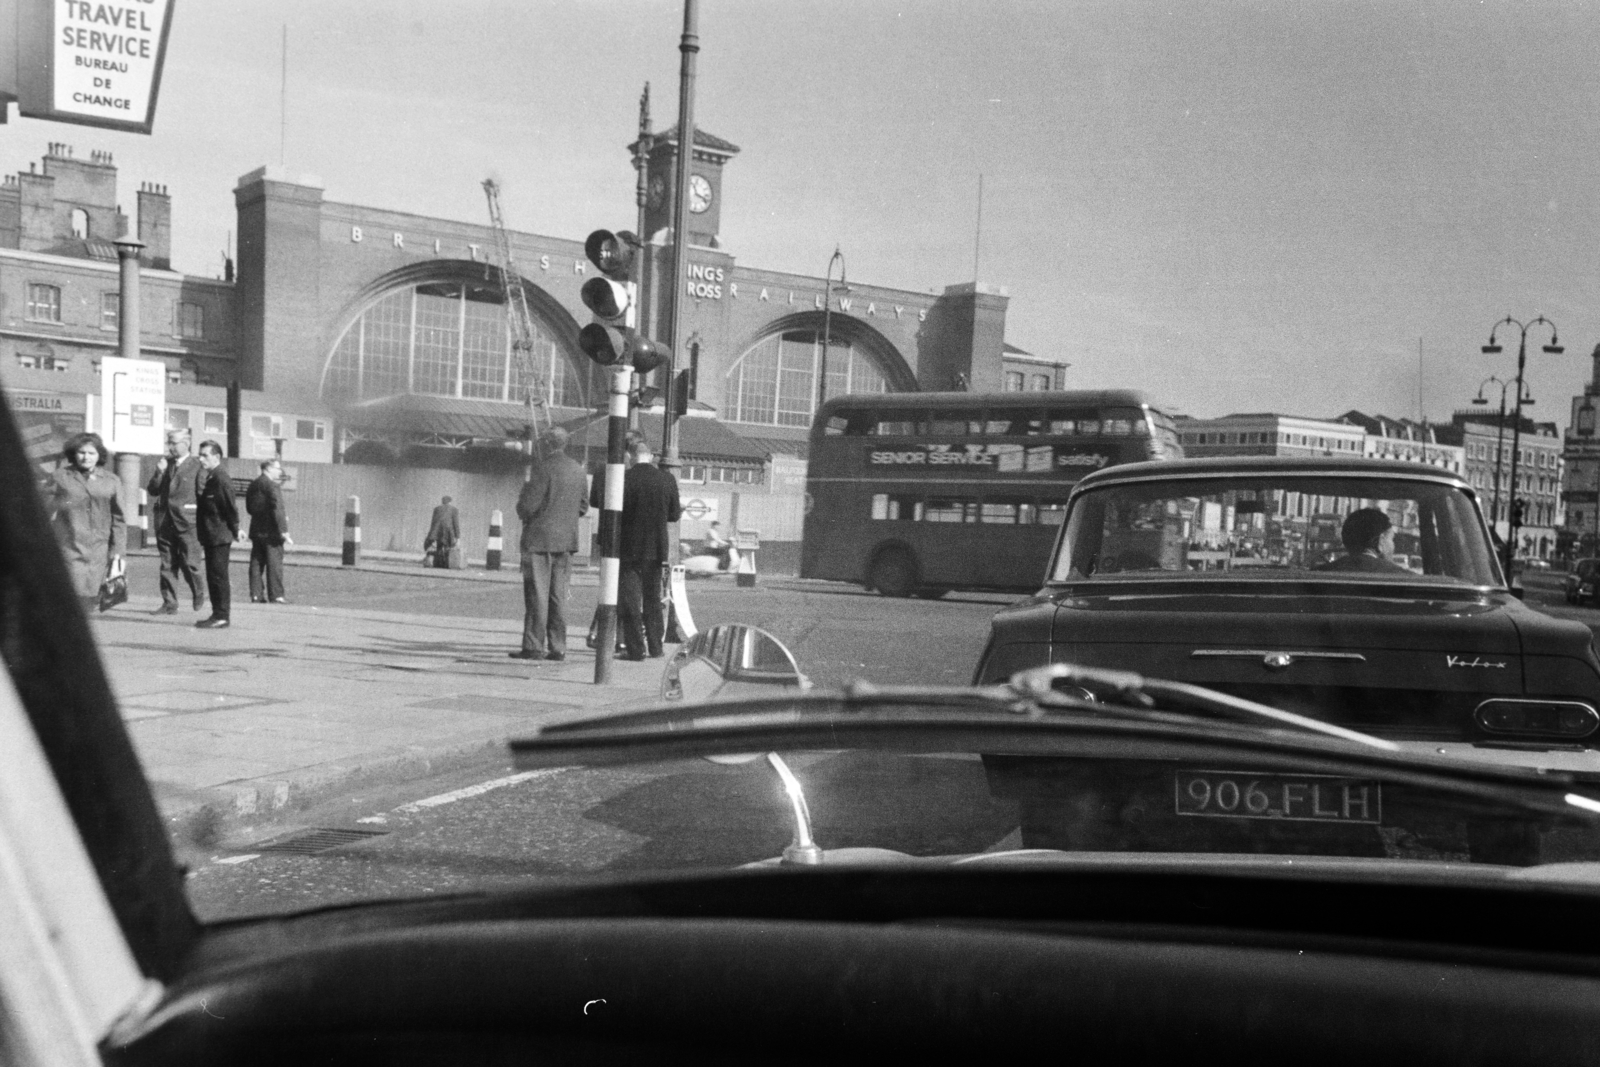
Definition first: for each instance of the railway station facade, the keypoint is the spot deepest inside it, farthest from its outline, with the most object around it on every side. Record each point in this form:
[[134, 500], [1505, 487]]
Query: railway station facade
[[382, 334]]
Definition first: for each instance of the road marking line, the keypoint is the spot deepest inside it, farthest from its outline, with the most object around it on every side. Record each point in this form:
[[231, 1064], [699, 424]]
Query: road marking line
[[475, 790], [246, 858]]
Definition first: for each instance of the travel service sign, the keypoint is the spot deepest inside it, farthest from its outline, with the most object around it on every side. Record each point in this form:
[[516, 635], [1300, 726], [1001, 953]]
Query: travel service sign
[[85, 62]]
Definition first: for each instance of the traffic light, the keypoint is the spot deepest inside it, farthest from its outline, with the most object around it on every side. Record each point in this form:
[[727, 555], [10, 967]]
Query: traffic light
[[614, 340], [1518, 510]]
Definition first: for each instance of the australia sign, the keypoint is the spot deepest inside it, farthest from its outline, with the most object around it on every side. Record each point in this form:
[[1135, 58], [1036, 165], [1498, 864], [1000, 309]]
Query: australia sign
[[85, 62]]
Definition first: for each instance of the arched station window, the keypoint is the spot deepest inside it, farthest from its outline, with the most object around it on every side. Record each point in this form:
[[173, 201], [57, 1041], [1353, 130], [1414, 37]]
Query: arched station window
[[775, 382], [447, 338]]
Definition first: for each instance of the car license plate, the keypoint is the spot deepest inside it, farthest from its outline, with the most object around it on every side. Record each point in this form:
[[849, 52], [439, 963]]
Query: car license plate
[[1300, 797]]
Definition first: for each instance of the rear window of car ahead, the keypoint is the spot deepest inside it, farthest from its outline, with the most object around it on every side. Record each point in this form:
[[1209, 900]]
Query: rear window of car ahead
[[1285, 527]]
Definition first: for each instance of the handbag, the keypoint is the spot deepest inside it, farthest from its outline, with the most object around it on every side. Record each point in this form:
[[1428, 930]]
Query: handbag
[[114, 589]]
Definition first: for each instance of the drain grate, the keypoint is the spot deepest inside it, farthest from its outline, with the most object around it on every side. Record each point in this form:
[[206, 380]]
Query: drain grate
[[319, 839]]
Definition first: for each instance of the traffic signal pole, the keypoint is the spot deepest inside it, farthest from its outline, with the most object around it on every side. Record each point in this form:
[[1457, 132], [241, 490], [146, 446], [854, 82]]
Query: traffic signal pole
[[613, 341], [605, 652], [689, 46]]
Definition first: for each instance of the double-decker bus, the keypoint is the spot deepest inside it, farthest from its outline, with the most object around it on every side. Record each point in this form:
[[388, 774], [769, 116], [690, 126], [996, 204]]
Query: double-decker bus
[[922, 493]]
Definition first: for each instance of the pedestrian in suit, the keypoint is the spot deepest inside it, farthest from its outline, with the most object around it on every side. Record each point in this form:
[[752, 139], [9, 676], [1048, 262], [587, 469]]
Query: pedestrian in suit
[[443, 533], [649, 503], [269, 532], [82, 498], [218, 522], [174, 496], [551, 502]]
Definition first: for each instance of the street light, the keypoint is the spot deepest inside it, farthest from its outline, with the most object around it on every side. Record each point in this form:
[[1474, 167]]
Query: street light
[[1493, 348], [827, 319], [1499, 439], [1585, 430]]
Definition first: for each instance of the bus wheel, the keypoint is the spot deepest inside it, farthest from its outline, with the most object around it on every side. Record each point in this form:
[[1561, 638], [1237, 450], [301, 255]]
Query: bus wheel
[[894, 572], [929, 592]]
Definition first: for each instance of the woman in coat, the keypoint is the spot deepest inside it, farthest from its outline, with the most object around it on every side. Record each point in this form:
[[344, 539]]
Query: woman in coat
[[86, 514]]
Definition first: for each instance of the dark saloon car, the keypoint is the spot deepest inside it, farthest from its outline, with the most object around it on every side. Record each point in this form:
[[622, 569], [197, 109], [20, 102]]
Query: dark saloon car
[[1579, 586], [1360, 593]]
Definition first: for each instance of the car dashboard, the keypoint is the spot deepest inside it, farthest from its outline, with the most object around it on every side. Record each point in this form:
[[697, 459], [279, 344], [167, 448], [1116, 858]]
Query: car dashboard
[[1114, 958]]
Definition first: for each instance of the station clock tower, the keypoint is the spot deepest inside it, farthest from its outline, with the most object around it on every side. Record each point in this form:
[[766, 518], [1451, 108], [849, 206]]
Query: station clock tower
[[705, 185]]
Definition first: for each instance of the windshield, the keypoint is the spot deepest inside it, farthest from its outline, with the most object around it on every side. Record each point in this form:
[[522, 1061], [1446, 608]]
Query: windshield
[[467, 398], [1278, 528]]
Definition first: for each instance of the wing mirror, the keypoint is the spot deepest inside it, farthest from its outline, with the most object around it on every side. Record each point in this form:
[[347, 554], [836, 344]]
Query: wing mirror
[[728, 662]]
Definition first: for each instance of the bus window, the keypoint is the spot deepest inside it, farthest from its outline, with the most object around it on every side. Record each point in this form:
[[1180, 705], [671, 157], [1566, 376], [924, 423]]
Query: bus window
[[945, 510], [1118, 427], [1052, 514], [955, 424], [1006, 511], [836, 425], [890, 507], [899, 428]]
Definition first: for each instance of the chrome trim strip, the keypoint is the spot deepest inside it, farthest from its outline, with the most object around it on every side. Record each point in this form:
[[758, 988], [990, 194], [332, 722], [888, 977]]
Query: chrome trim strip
[[1259, 653]]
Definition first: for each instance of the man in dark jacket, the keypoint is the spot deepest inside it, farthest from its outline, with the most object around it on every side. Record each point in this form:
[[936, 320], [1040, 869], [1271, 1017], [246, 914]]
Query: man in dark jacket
[[218, 520], [649, 503], [173, 501], [269, 532], [443, 532], [549, 506]]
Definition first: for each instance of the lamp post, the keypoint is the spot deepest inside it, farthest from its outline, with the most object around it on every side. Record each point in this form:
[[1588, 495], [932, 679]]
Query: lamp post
[[1585, 429], [1499, 437], [827, 319], [1493, 348]]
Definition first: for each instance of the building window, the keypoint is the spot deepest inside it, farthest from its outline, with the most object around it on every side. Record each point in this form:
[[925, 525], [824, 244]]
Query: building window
[[266, 426], [29, 361], [775, 382], [191, 320], [44, 303], [110, 311], [177, 418], [174, 376], [1041, 383], [1014, 381], [80, 223], [450, 339], [216, 422], [310, 430]]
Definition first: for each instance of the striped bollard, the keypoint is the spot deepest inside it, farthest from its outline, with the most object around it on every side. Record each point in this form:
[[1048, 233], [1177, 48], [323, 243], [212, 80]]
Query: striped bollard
[[352, 533], [144, 518], [491, 558]]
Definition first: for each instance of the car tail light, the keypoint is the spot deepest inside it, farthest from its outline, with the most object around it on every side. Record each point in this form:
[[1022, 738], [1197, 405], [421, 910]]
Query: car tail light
[[1537, 718]]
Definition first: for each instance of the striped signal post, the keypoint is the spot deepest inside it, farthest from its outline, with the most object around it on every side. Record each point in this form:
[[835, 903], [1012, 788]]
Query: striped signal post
[[144, 518], [491, 558], [605, 652], [352, 533]]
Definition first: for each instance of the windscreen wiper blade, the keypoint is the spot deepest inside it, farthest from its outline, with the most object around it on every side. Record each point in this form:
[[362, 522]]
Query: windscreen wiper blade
[[1135, 693]]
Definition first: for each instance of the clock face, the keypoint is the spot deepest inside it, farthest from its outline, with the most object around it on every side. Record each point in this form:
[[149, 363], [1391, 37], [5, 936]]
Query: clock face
[[699, 194], [658, 190]]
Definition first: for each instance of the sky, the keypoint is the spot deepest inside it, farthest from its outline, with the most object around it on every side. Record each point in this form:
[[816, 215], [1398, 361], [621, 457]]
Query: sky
[[1302, 206]]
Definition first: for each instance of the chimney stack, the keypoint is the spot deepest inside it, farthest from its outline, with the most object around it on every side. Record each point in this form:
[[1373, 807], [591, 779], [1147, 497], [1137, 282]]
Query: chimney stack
[[155, 225]]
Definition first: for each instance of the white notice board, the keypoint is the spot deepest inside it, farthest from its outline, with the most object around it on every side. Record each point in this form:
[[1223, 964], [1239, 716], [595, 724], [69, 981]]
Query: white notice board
[[133, 405]]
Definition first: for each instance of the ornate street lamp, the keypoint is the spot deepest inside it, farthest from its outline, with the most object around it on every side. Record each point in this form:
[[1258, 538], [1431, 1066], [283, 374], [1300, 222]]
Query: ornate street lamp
[[1499, 438], [1492, 348], [827, 320]]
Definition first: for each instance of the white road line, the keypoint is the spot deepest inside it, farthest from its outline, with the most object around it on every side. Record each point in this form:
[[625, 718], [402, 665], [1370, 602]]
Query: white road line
[[475, 790], [246, 858]]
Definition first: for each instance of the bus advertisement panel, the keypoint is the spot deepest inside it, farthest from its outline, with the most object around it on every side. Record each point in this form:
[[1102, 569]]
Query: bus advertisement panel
[[921, 493]]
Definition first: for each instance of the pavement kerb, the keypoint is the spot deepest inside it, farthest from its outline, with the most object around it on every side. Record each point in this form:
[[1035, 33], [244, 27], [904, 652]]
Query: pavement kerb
[[206, 816]]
